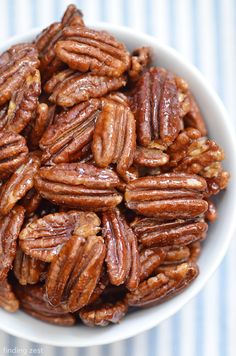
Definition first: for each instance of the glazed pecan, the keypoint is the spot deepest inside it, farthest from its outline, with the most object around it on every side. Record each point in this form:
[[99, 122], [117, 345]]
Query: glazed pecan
[[157, 108], [10, 226], [114, 138], [79, 185], [218, 183], [8, 300], [84, 49], [31, 201], [24, 102], [71, 132], [194, 118], [15, 64], [41, 122], [153, 232], [176, 255], [72, 17], [102, 314], [168, 282], [140, 59], [13, 152], [26, 269], [56, 79], [211, 214], [150, 157], [18, 184], [167, 196], [81, 87], [195, 251], [122, 257], [150, 259], [75, 272], [34, 303], [43, 238]]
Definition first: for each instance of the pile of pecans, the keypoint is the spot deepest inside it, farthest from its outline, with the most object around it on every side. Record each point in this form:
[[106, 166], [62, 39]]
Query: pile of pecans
[[107, 177]]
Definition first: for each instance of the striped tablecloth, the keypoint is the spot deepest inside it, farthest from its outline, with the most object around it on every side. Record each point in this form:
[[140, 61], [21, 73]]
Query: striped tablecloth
[[204, 31]]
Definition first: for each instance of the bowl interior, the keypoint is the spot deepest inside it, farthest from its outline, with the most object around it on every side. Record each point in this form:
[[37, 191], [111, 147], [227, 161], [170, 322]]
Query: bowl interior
[[219, 235]]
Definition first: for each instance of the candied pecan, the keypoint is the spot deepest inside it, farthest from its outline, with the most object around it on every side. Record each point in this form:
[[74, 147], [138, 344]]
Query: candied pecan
[[33, 302], [156, 106], [177, 254], [211, 213], [40, 124], [67, 139], [27, 270], [218, 183], [24, 102], [31, 201], [79, 185], [102, 314], [140, 59], [72, 17], [150, 259], [56, 79], [10, 226], [8, 300], [195, 251], [13, 152], [81, 87], [84, 49], [167, 196], [43, 238], [75, 272], [114, 138], [150, 157], [168, 282], [18, 184], [153, 232], [15, 65], [194, 118]]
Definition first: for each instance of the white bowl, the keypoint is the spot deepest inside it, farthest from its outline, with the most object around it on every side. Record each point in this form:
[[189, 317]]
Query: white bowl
[[219, 235]]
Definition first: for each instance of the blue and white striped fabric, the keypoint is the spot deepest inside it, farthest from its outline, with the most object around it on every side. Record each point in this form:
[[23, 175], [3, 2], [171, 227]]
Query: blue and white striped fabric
[[204, 31]]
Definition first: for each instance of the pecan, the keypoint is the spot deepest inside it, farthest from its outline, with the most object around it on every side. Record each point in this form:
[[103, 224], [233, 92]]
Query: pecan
[[194, 117], [140, 59], [84, 49], [150, 157], [24, 102], [211, 213], [72, 17], [56, 79], [177, 254], [195, 251], [8, 300], [43, 238], [167, 196], [153, 232], [10, 226], [41, 122], [31, 201], [104, 313], [75, 272], [150, 259], [122, 257], [13, 152], [33, 302], [15, 65], [117, 97], [18, 184], [70, 134], [27, 270], [114, 138], [157, 108], [81, 87], [79, 185], [168, 282], [218, 183]]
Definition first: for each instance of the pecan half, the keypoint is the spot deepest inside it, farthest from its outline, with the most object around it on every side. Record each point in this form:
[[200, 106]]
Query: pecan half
[[167, 196], [81, 87], [102, 314], [153, 232], [72, 17], [150, 259], [43, 238], [75, 272], [150, 157], [18, 184], [140, 59], [8, 300], [13, 152], [10, 226], [33, 302], [194, 118], [79, 185], [114, 138], [71, 132], [84, 49]]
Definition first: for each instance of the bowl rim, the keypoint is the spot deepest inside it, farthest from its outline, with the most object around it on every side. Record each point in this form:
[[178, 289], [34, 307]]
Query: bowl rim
[[196, 287]]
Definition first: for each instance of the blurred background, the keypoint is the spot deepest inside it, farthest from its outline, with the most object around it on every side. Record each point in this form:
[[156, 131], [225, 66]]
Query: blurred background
[[204, 31]]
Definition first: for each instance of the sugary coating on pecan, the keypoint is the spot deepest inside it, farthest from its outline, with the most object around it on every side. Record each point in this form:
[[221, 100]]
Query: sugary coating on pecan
[[81, 87], [167, 196], [79, 185], [70, 133], [150, 259], [194, 118], [18, 184], [153, 232], [44, 238], [150, 157], [84, 49], [10, 226], [102, 314], [75, 272], [13, 152], [114, 138], [8, 300], [140, 59]]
